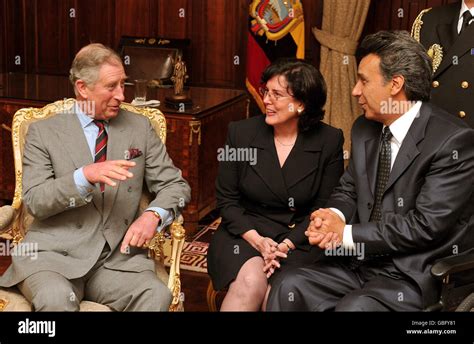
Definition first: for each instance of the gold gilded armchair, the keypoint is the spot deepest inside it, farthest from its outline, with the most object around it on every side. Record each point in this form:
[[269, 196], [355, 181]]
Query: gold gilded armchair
[[15, 220]]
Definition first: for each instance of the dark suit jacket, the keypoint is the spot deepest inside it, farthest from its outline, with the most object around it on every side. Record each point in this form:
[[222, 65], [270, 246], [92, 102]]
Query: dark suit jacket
[[278, 201], [440, 27], [428, 202]]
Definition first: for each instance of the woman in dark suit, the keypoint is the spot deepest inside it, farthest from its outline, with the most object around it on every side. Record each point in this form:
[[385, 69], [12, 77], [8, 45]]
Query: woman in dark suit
[[274, 171]]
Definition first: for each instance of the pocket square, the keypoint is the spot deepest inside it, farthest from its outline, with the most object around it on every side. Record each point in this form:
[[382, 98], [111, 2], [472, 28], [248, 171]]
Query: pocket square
[[132, 153]]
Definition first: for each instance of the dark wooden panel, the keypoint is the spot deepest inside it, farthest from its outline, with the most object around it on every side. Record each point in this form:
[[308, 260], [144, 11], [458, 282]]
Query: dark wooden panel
[[222, 40], [42, 34], [7, 179], [174, 18], [49, 22], [3, 33], [198, 73], [240, 47], [414, 8], [313, 17], [86, 26], [15, 37], [134, 18], [31, 35], [385, 14], [395, 19]]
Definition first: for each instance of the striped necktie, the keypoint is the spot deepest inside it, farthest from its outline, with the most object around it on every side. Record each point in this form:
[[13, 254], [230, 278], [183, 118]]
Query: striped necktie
[[101, 146]]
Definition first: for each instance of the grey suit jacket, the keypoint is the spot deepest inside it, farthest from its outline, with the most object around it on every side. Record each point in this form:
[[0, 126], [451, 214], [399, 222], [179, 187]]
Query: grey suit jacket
[[70, 232], [428, 204]]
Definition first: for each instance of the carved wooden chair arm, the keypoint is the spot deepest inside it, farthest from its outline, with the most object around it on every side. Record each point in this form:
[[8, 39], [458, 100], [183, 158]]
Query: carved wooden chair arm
[[156, 248]]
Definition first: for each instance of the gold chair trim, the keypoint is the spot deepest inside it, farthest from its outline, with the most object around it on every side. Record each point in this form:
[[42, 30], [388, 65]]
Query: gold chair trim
[[3, 304]]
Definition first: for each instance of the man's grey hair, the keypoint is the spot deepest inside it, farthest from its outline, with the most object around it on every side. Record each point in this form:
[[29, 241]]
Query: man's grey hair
[[87, 63], [400, 54]]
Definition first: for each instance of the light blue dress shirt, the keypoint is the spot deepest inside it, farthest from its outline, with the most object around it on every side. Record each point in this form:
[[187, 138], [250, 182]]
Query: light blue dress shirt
[[85, 188]]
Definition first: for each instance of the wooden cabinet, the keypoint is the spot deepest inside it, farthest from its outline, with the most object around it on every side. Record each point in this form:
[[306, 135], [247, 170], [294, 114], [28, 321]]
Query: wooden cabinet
[[193, 135]]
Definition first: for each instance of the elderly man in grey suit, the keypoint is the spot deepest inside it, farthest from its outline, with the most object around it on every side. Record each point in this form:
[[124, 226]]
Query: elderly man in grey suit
[[405, 200], [82, 181]]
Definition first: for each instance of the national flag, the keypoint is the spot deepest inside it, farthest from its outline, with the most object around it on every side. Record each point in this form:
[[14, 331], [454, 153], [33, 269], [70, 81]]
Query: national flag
[[276, 29]]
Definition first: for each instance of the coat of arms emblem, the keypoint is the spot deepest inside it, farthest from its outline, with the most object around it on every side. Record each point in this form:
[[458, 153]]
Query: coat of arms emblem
[[275, 18]]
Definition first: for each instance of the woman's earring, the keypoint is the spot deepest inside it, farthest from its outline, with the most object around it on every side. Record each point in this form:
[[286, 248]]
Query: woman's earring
[[299, 111]]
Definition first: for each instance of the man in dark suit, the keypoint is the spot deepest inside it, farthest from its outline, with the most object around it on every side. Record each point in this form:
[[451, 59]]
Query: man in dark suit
[[405, 200], [448, 34]]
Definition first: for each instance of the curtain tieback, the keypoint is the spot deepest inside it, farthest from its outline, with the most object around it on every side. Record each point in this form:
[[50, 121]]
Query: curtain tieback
[[341, 44]]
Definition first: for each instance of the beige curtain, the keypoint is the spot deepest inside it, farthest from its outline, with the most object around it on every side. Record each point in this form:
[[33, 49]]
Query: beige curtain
[[343, 21]]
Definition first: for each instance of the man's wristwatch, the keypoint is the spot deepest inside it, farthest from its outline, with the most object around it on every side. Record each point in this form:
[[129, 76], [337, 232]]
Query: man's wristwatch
[[157, 215]]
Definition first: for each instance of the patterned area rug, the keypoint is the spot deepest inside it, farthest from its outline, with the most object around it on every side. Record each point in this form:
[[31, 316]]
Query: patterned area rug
[[194, 253]]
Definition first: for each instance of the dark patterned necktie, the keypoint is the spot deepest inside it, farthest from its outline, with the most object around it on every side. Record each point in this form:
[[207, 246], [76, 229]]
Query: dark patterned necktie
[[466, 20], [383, 173], [101, 146]]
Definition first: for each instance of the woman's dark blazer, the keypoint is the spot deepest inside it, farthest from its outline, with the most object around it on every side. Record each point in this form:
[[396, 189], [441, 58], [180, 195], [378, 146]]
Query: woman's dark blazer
[[258, 194]]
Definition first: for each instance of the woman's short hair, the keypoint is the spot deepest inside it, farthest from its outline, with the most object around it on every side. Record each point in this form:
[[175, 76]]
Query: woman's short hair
[[87, 63], [305, 84]]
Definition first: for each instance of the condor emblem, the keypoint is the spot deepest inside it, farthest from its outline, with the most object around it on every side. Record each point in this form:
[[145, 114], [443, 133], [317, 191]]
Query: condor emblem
[[275, 18]]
